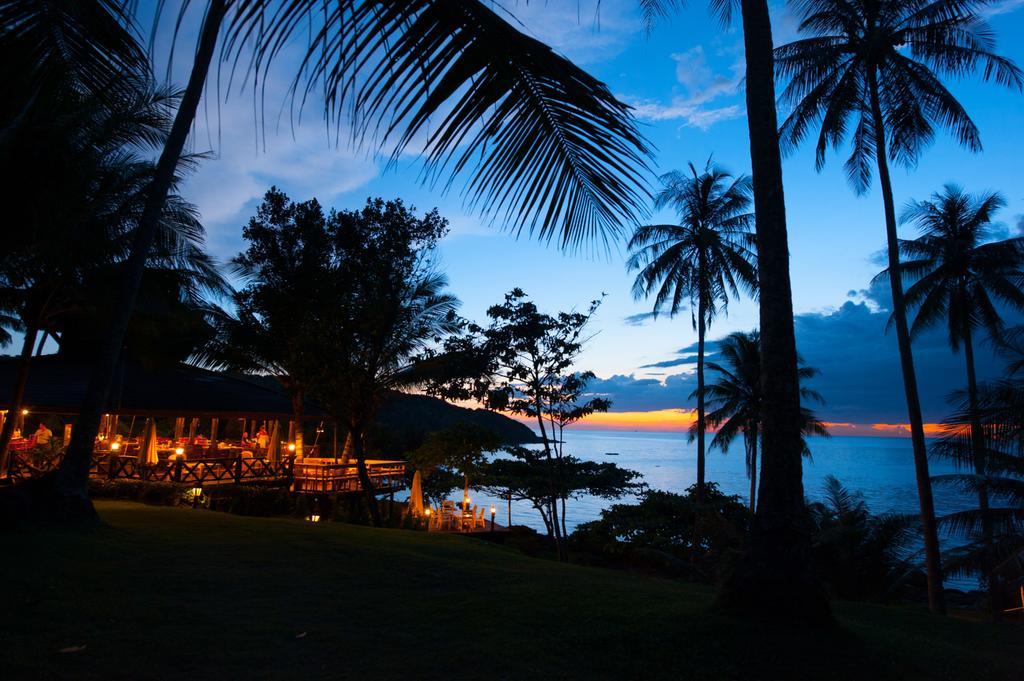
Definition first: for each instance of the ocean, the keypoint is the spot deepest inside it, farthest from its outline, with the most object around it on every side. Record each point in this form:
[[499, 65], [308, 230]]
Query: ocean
[[881, 468]]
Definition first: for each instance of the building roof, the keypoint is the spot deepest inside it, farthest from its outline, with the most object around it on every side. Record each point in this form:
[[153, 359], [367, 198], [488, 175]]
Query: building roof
[[56, 385]]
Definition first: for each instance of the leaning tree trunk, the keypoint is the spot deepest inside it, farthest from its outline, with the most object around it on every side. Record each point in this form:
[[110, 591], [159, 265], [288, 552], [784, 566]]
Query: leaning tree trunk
[[933, 561], [775, 575], [364, 476], [981, 470], [73, 477], [17, 397], [552, 501], [701, 333]]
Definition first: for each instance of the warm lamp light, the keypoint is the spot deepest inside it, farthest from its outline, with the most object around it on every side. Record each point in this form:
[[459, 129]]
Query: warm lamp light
[[114, 446], [179, 451], [291, 447], [427, 512], [493, 510], [314, 518], [24, 412]]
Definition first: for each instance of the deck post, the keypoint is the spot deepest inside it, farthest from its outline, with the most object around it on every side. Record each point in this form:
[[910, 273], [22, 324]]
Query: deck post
[[111, 466], [212, 449], [238, 469], [176, 470]]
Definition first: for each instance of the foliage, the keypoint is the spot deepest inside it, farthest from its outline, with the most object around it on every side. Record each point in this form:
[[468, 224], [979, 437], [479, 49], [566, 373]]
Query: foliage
[[859, 555], [1000, 478], [667, 523], [522, 364], [708, 255], [734, 398], [893, 51], [959, 272], [286, 270], [529, 476]]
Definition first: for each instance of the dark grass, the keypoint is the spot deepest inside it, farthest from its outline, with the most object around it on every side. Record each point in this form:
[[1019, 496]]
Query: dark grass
[[178, 593]]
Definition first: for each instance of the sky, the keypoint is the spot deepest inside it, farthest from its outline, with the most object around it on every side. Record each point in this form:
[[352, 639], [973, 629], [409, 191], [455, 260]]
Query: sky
[[684, 81]]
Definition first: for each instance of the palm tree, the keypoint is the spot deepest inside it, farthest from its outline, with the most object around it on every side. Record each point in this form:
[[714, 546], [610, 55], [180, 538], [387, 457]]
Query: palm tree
[[994, 532], [776, 571], [734, 398], [90, 152], [959, 276], [871, 70], [545, 145], [698, 262]]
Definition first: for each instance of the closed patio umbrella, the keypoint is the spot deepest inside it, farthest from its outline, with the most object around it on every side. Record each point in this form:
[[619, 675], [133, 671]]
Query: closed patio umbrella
[[147, 453], [274, 448], [416, 494]]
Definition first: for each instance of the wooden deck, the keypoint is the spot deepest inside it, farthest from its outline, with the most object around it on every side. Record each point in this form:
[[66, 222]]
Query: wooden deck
[[302, 475]]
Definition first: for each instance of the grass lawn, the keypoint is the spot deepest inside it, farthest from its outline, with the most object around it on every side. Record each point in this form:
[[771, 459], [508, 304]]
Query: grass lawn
[[166, 592]]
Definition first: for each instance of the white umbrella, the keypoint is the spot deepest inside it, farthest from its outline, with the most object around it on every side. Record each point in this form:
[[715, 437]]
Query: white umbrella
[[416, 494], [147, 454]]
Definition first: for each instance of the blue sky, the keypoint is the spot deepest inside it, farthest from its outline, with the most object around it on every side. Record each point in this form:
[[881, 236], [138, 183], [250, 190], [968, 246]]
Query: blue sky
[[685, 82]]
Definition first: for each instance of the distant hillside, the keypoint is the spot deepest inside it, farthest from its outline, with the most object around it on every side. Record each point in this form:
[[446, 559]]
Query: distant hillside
[[405, 419]]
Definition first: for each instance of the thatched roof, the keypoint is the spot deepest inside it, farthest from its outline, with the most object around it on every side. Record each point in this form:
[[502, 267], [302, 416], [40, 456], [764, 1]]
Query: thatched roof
[[57, 385]]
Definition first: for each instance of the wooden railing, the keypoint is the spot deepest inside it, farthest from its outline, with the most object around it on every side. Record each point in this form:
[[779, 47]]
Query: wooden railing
[[326, 476], [233, 469]]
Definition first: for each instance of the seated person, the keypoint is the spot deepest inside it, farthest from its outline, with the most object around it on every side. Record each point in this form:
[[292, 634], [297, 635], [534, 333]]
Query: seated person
[[43, 435]]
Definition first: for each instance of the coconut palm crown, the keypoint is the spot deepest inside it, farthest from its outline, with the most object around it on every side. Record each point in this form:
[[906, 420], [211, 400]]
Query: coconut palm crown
[[892, 51]]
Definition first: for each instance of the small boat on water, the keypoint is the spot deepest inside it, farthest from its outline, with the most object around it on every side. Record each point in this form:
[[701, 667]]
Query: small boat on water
[[611, 453]]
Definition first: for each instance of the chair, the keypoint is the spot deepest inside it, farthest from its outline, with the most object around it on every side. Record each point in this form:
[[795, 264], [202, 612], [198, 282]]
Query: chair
[[481, 520], [447, 514]]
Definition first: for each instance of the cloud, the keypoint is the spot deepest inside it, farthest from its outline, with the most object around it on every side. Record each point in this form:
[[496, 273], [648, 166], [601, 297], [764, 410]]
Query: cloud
[[859, 363], [701, 86], [1004, 7], [639, 319], [586, 32]]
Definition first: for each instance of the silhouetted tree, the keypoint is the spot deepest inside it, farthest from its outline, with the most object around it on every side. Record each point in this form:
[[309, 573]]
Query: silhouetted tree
[[777, 570], [522, 363], [734, 397], [879, 63], [386, 307], [286, 268], [698, 262], [958, 276]]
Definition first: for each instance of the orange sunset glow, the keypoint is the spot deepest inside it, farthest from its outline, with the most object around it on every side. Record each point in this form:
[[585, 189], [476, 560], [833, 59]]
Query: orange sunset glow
[[679, 421]]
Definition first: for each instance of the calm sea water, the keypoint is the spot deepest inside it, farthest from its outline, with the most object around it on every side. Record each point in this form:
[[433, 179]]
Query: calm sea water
[[880, 468]]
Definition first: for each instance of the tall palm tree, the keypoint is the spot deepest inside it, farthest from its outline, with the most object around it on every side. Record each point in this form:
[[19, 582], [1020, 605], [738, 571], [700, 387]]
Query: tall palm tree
[[776, 571], [870, 70], [698, 262], [959, 276], [735, 403], [545, 146]]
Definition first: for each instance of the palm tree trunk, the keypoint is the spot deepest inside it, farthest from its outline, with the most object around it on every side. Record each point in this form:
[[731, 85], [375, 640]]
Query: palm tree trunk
[[981, 469], [364, 475], [17, 397], [775, 575], [73, 476], [753, 468], [701, 332], [933, 562]]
